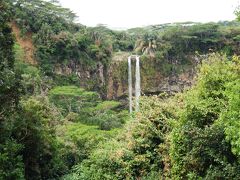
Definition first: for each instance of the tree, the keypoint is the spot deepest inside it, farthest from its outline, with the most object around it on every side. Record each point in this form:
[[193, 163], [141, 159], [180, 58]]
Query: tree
[[11, 166], [34, 129], [237, 13], [204, 140], [26, 11], [147, 45]]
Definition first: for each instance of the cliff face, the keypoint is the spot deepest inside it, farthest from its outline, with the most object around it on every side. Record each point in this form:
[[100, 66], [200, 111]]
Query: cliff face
[[112, 82], [156, 77], [93, 78]]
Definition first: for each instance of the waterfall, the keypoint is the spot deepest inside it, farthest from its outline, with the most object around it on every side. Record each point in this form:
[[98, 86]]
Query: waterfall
[[137, 84], [130, 83]]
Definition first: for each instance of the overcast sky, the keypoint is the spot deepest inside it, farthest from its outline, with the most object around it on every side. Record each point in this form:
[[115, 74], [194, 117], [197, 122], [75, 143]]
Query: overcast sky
[[136, 13]]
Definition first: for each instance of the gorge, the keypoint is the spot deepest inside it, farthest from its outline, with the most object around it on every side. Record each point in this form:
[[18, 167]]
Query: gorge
[[66, 91]]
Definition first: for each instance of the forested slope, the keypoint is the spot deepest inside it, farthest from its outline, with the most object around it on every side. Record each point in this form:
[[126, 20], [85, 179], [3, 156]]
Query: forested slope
[[72, 53]]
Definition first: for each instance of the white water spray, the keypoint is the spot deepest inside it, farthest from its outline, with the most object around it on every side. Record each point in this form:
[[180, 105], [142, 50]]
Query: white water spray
[[137, 84], [130, 83]]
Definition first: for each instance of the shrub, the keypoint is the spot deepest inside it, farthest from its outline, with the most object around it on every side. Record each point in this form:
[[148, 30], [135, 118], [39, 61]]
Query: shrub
[[199, 147]]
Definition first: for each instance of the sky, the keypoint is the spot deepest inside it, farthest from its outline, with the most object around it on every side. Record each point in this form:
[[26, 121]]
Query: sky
[[124, 14]]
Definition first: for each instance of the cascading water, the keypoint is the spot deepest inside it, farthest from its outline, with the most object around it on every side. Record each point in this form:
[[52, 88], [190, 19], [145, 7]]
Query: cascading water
[[130, 84], [137, 84]]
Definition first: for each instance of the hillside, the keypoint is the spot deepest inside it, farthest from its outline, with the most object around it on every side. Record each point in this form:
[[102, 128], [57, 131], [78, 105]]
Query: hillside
[[170, 52]]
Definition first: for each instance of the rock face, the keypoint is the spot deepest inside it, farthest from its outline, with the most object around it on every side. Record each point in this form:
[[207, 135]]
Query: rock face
[[156, 77], [90, 78], [112, 82]]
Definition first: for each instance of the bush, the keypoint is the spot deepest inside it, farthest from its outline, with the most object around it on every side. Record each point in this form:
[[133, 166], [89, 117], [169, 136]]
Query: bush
[[12, 166], [79, 140], [72, 99], [141, 150], [34, 129], [107, 115], [199, 145], [193, 135]]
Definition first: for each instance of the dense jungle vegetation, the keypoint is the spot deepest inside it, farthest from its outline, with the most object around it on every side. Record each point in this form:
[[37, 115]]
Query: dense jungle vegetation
[[61, 126]]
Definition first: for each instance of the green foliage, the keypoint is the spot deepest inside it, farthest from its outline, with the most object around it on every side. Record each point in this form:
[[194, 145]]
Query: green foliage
[[230, 116], [66, 80], [237, 13], [106, 120], [11, 166], [31, 78], [59, 42], [9, 82], [199, 143], [63, 47], [34, 129], [173, 42], [123, 41], [90, 108], [19, 52], [105, 163], [139, 151], [107, 105], [48, 13], [79, 106], [193, 135], [106, 114], [33, 81], [80, 140], [72, 98], [57, 39]]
